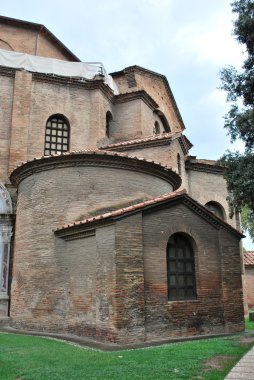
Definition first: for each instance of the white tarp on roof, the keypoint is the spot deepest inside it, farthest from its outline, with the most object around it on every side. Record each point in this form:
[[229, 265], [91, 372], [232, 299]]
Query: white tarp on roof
[[55, 66]]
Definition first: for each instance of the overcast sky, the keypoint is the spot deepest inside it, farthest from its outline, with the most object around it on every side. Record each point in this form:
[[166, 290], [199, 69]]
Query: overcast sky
[[189, 41]]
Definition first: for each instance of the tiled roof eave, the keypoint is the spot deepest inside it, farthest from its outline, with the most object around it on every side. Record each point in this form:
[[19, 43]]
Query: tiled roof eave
[[150, 141], [174, 197], [249, 258]]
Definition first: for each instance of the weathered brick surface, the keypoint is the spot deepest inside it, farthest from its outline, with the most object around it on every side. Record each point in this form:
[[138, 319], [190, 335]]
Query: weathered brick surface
[[71, 283], [6, 100], [249, 286], [112, 285], [167, 156], [130, 297], [20, 118], [232, 283], [214, 265], [127, 121], [30, 41], [155, 87], [206, 187]]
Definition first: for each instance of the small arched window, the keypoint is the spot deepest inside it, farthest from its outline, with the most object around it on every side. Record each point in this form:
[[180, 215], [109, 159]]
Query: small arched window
[[109, 119], [156, 129], [179, 165], [57, 135], [180, 268], [216, 208]]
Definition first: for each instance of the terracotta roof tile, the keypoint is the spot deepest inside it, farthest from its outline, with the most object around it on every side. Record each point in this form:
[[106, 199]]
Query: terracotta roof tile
[[249, 258], [162, 136], [125, 210], [93, 151]]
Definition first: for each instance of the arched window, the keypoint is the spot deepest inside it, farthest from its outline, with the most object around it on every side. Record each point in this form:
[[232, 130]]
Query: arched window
[[57, 135], [216, 208], [180, 268], [165, 127], [109, 119], [156, 129], [179, 166]]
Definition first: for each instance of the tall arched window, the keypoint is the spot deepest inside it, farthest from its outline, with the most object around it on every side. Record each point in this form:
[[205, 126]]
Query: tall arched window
[[57, 135], [180, 268], [5, 238], [109, 119], [216, 208]]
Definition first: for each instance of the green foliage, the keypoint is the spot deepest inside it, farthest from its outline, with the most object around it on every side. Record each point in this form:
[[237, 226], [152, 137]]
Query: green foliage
[[247, 217], [240, 119], [28, 358]]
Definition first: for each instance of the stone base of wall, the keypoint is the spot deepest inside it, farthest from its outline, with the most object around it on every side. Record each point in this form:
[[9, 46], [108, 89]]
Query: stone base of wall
[[4, 306], [123, 336]]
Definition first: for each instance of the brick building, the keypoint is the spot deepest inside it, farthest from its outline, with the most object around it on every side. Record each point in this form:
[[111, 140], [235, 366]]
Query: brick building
[[109, 228], [249, 278]]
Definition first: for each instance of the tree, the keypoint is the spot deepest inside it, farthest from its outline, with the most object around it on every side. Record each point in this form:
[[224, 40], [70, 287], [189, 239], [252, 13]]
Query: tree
[[240, 119]]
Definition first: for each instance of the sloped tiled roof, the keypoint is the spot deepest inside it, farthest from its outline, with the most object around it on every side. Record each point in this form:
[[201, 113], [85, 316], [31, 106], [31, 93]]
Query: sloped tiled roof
[[150, 141], [163, 136], [249, 258], [181, 195]]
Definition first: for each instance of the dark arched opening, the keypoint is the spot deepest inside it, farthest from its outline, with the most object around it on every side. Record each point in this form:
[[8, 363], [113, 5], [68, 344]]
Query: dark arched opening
[[180, 268]]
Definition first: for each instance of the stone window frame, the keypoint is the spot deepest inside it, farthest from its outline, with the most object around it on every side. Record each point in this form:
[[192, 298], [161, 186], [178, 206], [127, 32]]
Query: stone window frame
[[5, 239], [57, 135], [181, 268], [216, 208]]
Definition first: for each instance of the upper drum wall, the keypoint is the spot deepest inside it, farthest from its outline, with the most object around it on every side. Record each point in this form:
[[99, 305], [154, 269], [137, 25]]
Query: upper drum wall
[[73, 186]]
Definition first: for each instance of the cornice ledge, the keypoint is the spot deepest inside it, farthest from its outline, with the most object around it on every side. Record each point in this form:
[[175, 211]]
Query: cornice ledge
[[202, 167], [134, 95], [74, 233], [95, 158], [7, 71], [88, 84]]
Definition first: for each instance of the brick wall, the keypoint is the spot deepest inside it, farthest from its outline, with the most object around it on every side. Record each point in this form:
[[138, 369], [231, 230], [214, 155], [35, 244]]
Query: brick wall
[[44, 266], [127, 124], [113, 285], [30, 41], [27, 105], [20, 118], [130, 297], [167, 156], [207, 314], [206, 187], [155, 87], [249, 285], [6, 100]]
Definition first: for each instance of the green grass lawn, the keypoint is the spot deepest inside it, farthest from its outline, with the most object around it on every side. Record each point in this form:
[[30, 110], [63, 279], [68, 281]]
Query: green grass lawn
[[34, 358], [249, 325]]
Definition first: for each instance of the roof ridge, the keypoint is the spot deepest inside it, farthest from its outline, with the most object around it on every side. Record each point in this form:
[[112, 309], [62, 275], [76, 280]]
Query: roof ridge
[[124, 210]]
